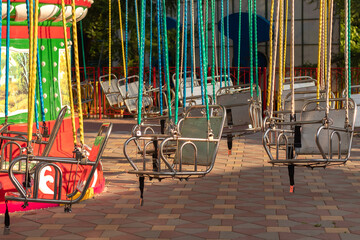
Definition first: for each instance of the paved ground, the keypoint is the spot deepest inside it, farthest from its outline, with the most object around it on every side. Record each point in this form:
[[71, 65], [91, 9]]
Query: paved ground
[[242, 198]]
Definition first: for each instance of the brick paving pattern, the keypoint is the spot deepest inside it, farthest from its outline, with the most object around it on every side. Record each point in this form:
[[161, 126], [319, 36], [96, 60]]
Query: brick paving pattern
[[244, 197]]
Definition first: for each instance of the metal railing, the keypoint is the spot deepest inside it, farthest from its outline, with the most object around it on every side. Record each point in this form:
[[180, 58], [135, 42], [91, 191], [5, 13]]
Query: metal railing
[[99, 108]]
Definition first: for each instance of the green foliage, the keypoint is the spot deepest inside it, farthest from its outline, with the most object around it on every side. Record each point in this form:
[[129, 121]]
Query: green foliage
[[96, 29], [355, 33], [339, 9]]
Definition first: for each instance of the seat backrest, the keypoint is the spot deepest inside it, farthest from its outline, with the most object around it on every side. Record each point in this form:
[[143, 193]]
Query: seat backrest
[[54, 131], [111, 90], [95, 156], [308, 131], [301, 85], [236, 102], [130, 94], [300, 100], [356, 98], [197, 127], [100, 142]]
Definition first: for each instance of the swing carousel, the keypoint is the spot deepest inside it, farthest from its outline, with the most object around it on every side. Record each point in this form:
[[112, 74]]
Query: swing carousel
[[44, 163]]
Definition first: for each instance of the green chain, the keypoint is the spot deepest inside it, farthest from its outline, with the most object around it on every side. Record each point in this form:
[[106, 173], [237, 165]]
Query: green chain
[[239, 45], [167, 74], [213, 46], [205, 60], [142, 59], [177, 61], [251, 44], [256, 52]]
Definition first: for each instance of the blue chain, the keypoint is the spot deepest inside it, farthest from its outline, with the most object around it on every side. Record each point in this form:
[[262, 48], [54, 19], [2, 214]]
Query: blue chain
[[228, 41], [142, 60], [221, 42], [185, 51], [150, 42], [192, 54], [7, 59], [200, 54], [158, 18]]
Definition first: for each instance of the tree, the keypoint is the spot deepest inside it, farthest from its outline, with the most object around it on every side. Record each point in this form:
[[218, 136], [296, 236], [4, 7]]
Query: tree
[[96, 30], [355, 32], [339, 9]]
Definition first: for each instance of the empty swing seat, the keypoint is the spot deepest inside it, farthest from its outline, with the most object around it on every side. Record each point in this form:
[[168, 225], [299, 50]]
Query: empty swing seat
[[87, 92], [130, 92], [302, 83], [240, 110], [316, 140], [54, 163], [111, 91], [195, 97], [191, 152]]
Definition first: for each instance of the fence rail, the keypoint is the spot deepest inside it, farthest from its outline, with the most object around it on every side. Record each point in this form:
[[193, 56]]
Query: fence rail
[[99, 108]]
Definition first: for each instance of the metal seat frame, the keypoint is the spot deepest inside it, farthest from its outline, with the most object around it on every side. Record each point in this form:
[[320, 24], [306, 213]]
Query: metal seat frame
[[20, 137], [87, 92], [112, 92], [42, 161], [236, 99], [172, 158], [130, 95], [197, 96], [281, 137]]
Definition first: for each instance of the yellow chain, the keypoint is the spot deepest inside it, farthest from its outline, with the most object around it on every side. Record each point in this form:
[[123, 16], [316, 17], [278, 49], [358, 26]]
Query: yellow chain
[[271, 52], [281, 48], [77, 72], [33, 36], [286, 27], [31, 42], [319, 50], [68, 68], [122, 40], [325, 23]]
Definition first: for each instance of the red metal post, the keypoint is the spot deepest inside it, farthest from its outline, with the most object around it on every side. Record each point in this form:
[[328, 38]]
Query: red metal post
[[99, 94]]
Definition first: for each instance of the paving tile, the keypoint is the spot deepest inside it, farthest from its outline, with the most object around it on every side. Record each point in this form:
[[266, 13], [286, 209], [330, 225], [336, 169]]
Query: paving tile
[[34, 233], [327, 207], [332, 218], [276, 217], [107, 227], [223, 216], [163, 228], [116, 215], [36, 238], [51, 226], [168, 216], [278, 229], [275, 206], [99, 238], [220, 228], [336, 230]]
